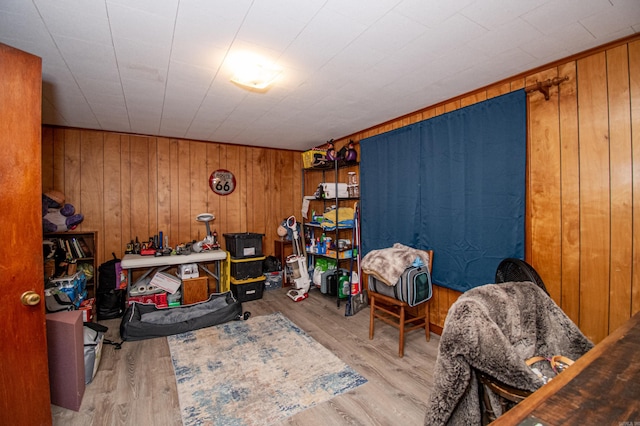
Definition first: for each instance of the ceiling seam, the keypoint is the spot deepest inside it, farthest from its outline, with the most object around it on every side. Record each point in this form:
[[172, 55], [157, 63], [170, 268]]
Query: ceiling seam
[[166, 81], [115, 55], [215, 75]]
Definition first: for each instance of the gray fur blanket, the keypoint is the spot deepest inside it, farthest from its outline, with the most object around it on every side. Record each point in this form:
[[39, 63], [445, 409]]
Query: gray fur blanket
[[388, 264], [494, 328]]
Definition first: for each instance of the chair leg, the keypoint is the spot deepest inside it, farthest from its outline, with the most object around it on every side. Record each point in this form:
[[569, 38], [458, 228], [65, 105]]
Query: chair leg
[[401, 349], [372, 308], [426, 321]]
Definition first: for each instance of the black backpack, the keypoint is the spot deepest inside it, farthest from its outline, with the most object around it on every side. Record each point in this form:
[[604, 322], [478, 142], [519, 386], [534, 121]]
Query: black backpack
[[110, 299], [271, 264]]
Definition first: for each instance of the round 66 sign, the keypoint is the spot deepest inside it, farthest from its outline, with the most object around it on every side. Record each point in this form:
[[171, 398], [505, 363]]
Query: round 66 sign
[[222, 182]]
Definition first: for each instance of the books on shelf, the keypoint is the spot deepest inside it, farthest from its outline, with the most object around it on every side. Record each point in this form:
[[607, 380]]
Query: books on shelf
[[85, 248], [76, 248]]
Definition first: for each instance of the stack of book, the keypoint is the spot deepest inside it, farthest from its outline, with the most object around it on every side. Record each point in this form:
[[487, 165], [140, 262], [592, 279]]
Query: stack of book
[[76, 248]]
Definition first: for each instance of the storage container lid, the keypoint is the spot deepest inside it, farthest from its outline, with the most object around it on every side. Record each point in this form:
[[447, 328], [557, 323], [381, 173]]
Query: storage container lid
[[244, 235], [247, 259], [248, 280]]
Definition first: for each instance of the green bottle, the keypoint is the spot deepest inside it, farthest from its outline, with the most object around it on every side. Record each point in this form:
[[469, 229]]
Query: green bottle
[[343, 286]]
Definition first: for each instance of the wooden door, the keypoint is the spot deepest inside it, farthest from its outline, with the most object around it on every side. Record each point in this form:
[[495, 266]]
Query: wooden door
[[24, 371]]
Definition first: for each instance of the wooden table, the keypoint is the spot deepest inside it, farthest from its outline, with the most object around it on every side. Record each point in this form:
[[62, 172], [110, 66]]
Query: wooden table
[[601, 388]]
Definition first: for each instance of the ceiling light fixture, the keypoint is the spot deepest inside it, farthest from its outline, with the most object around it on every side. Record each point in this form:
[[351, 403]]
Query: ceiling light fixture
[[253, 73]]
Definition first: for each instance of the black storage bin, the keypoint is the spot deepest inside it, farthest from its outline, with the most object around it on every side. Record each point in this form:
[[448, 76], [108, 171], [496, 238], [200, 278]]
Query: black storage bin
[[250, 267], [245, 244], [246, 290]]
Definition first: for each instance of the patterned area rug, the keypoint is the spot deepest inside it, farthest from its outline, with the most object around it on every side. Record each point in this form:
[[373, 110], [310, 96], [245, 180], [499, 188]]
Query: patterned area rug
[[254, 372]]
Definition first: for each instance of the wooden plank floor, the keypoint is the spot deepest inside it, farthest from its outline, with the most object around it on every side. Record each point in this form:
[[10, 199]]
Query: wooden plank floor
[[136, 385]]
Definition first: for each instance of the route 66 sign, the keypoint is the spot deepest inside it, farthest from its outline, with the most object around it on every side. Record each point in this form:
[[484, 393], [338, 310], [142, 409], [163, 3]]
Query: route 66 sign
[[222, 182]]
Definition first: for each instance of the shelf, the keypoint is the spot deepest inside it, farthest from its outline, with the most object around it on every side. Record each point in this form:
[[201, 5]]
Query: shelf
[[330, 165], [333, 172], [80, 247]]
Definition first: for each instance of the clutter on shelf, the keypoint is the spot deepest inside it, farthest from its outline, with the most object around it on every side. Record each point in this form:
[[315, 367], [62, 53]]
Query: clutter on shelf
[[58, 216]]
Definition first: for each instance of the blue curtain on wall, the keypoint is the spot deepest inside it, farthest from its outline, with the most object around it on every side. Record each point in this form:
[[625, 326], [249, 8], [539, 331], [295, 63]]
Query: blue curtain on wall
[[455, 184]]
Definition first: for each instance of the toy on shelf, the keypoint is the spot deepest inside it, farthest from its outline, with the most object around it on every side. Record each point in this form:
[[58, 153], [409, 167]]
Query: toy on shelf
[[58, 216]]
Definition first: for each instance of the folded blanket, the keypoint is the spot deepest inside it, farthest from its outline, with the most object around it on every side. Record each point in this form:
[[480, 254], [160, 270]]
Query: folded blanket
[[388, 264], [494, 328], [344, 219]]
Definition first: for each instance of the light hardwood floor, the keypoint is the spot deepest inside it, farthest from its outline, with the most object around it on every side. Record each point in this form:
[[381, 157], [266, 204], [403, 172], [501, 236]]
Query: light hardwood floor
[[136, 386]]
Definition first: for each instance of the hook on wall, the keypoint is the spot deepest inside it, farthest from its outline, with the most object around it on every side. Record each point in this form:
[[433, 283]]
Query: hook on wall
[[544, 86]]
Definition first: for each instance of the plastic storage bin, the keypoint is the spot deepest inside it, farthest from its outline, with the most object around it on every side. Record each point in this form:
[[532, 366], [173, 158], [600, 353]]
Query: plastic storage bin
[[246, 290], [273, 280], [244, 244], [250, 267]]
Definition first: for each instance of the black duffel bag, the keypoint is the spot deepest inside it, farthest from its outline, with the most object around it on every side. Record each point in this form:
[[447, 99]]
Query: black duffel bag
[[110, 299]]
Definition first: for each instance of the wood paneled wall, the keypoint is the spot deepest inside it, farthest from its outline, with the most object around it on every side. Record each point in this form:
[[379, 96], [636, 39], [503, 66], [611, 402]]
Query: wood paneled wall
[[582, 232], [128, 186]]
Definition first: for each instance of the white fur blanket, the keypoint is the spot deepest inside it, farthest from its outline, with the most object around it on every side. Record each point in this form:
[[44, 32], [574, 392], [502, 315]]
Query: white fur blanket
[[494, 328], [388, 264]]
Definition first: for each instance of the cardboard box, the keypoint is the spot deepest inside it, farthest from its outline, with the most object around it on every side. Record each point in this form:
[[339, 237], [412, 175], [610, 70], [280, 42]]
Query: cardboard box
[[88, 308], [65, 343], [345, 254], [195, 290], [166, 281], [329, 190], [188, 270], [158, 299]]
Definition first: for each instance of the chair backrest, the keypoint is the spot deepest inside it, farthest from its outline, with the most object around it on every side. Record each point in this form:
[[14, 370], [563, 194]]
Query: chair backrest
[[430, 253], [517, 270]]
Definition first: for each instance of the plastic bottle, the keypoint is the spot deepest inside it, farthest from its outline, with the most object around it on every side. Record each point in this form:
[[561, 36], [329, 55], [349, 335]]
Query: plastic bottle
[[355, 284], [343, 286]]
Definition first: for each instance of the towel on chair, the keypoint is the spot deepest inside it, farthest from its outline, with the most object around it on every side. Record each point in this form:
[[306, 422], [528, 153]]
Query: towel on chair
[[494, 328], [388, 264]]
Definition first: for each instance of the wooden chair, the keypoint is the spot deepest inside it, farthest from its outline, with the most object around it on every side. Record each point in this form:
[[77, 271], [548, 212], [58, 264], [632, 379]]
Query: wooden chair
[[399, 314], [517, 270]]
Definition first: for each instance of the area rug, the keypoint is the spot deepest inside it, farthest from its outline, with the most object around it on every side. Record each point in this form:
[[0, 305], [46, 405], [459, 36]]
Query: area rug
[[254, 372]]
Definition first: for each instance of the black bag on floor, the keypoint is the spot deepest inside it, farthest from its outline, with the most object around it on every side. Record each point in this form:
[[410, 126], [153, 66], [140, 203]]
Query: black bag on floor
[[146, 321], [110, 299], [110, 304]]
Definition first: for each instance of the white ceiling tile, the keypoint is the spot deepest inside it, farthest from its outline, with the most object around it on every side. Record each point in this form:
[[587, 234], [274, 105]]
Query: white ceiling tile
[[89, 59], [51, 115], [391, 32], [164, 8], [431, 13], [558, 44], [323, 38], [504, 37], [75, 108], [601, 24], [139, 61], [497, 13], [158, 66], [363, 11], [553, 15], [140, 25], [86, 20], [448, 35], [258, 26]]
